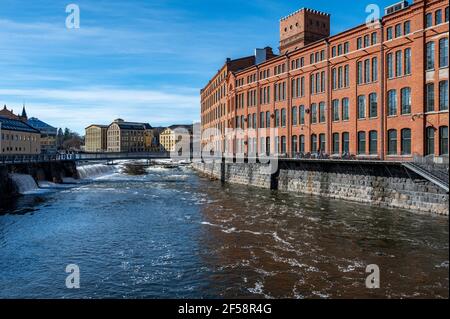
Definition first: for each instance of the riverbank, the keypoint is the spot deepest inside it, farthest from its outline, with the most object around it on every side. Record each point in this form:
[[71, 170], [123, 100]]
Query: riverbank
[[374, 183]]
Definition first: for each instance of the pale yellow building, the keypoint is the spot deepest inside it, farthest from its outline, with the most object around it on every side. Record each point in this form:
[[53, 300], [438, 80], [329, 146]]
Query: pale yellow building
[[18, 138], [169, 136], [96, 138]]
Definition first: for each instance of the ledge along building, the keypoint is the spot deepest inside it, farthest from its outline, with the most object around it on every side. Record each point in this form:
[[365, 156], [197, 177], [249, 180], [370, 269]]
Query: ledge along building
[[377, 91]]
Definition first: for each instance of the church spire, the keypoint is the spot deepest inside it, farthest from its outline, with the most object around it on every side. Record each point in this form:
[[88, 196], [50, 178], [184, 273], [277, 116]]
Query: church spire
[[24, 113]]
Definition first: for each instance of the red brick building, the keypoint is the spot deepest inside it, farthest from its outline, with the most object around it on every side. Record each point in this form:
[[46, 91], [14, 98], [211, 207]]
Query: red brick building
[[378, 90]]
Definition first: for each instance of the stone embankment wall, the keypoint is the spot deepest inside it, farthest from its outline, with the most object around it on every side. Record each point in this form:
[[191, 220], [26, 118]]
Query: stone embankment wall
[[374, 183]]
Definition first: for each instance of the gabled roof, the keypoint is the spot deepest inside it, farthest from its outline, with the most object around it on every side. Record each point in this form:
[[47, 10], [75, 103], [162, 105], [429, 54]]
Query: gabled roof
[[16, 125]]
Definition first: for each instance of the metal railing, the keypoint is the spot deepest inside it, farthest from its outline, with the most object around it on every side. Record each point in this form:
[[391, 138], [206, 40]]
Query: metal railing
[[17, 159]]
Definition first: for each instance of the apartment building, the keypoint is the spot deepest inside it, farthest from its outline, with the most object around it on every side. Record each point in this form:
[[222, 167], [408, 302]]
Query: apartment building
[[378, 90]]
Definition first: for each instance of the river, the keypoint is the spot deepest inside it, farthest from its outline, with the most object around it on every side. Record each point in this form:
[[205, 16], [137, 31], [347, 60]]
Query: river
[[173, 234]]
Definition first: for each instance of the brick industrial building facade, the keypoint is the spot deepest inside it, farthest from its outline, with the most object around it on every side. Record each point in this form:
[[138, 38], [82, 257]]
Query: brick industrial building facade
[[378, 90]]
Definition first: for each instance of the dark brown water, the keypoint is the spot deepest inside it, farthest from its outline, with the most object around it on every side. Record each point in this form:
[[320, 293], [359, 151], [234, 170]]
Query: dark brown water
[[171, 234]]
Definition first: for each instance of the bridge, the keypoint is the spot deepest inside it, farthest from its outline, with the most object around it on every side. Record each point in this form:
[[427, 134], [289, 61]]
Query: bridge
[[80, 157]]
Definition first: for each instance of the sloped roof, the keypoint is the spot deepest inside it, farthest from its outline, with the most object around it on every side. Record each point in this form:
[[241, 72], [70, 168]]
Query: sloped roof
[[40, 125], [133, 126], [16, 125]]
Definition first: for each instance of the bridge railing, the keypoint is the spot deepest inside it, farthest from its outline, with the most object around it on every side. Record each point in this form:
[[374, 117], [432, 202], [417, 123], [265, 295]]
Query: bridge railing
[[17, 159]]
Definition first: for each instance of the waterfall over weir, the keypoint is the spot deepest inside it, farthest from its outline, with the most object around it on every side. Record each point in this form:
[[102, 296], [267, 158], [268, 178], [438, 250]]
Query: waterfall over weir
[[88, 171], [24, 183]]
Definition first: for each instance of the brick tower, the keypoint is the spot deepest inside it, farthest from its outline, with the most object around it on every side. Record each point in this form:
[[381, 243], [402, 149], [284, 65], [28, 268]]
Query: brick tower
[[302, 28]]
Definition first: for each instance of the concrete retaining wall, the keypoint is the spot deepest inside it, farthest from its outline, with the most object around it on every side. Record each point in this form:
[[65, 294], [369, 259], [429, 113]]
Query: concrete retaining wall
[[380, 184]]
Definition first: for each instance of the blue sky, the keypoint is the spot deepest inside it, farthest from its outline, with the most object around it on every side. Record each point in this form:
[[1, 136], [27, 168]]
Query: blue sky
[[139, 60]]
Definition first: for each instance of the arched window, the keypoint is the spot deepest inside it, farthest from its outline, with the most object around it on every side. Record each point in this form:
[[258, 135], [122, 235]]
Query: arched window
[[313, 143], [268, 119], [322, 143], [373, 142], [302, 114], [346, 142], [283, 145], [277, 118], [392, 102], [294, 116], [283, 117], [392, 142], [294, 144], [361, 142], [373, 106], [430, 141], [302, 144], [335, 143], [443, 140], [406, 100], [314, 113], [406, 141]]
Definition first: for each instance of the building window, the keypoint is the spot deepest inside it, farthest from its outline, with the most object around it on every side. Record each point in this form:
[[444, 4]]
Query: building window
[[366, 41], [294, 144], [294, 116], [406, 141], [367, 71], [335, 110], [406, 101], [283, 117], [339, 49], [335, 143], [430, 141], [268, 119], [407, 61], [398, 30], [390, 64], [313, 113], [345, 109], [373, 105], [360, 72], [392, 142], [361, 107], [374, 38], [346, 143], [277, 118], [322, 144], [361, 142], [430, 56], [446, 14], [392, 102], [438, 17], [428, 20], [443, 53], [302, 144], [374, 69], [359, 43], [302, 114], [346, 75], [443, 95], [313, 143], [333, 52], [429, 92], [398, 63], [407, 27], [334, 79], [346, 47], [389, 33], [261, 120], [373, 142], [283, 145], [443, 140], [322, 112]]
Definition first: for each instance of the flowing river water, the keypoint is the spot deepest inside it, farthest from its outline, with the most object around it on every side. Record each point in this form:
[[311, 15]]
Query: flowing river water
[[173, 234]]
